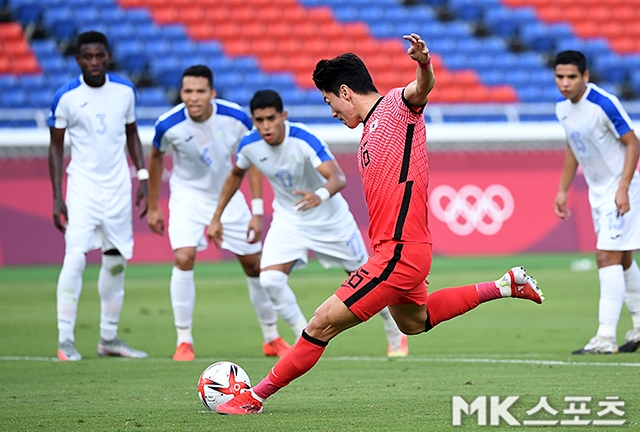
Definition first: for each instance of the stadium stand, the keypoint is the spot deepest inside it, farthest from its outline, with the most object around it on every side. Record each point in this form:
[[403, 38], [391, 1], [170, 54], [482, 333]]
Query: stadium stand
[[486, 51]]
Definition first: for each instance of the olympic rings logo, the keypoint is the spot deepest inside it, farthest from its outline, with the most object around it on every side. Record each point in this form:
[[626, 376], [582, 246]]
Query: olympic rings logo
[[471, 208]]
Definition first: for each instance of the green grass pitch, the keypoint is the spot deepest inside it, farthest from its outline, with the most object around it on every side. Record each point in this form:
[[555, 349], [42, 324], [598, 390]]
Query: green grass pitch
[[503, 348]]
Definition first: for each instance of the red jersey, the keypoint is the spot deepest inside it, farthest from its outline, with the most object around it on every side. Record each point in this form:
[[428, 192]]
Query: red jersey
[[395, 171]]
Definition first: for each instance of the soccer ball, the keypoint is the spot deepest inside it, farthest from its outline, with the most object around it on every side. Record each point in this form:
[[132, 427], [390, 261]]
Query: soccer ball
[[220, 382]]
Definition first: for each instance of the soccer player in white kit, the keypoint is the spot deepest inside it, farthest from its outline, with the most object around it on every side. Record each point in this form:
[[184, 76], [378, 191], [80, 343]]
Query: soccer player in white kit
[[98, 110], [309, 213], [602, 141], [203, 132]]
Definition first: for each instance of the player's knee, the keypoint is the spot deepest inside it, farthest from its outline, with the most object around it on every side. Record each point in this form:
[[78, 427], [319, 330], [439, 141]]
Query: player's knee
[[251, 265], [114, 264], [74, 261], [273, 280], [184, 260]]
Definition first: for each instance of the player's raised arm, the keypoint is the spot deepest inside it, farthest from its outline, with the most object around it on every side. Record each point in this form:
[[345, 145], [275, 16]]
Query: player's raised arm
[[255, 228], [155, 218], [56, 157], [137, 156], [417, 91], [336, 181], [230, 187]]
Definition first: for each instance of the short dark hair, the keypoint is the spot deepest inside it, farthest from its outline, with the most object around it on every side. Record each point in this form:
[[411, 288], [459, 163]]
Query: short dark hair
[[346, 69], [198, 71], [91, 37], [571, 57], [266, 99]]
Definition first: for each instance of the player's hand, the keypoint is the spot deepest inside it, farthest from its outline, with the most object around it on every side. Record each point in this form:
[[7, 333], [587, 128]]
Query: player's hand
[[143, 194], [418, 50], [254, 231], [60, 217], [560, 206], [309, 200], [155, 220], [622, 201], [214, 232]]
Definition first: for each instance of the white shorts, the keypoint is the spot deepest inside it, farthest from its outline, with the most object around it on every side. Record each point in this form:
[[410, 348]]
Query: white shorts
[[98, 218], [617, 233], [190, 214], [335, 246]]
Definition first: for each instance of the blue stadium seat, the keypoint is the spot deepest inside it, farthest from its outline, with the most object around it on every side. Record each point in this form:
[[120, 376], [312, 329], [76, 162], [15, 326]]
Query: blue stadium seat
[[149, 97], [14, 98], [173, 32], [26, 11], [44, 47]]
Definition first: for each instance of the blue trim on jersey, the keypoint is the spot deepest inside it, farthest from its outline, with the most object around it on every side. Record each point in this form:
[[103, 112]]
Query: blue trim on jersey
[[70, 85], [120, 80], [621, 125], [312, 140], [235, 113], [249, 138], [163, 126]]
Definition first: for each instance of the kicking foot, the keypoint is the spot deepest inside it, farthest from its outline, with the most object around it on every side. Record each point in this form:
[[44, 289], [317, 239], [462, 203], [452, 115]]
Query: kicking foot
[[599, 345], [244, 403], [276, 348], [184, 352], [631, 341], [67, 351], [118, 348], [522, 285], [401, 351]]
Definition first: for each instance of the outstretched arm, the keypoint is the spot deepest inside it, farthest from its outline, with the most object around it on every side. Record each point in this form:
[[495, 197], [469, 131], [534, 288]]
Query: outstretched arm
[[137, 156], [56, 156], [416, 92], [568, 173], [230, 187], [336, 181]]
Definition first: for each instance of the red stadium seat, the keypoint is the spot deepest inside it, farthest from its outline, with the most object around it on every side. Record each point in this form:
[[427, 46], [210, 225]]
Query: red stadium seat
[[587, 29], [11, 31], [503, 94], [166, 15], [551, 13], [237, 47], [625, 45], [321, 15], [202, 31], [190, 15], [5, 65], [15, 48], [25, 65], [217, 14]]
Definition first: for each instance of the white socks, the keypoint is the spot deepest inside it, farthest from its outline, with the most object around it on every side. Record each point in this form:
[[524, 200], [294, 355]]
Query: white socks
[[263, 306], [183, 300], [283, 299], [111, 290], [68, 294], [632, 293], [612, 293], [394, 335]]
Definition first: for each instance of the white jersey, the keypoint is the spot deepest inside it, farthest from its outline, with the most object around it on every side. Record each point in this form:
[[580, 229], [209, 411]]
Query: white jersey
[[95, 118], [593, 126], [290, 166], [202, 151]]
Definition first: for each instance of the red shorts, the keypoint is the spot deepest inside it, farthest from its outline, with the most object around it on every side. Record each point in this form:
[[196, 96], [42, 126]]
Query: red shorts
[[395, 274]]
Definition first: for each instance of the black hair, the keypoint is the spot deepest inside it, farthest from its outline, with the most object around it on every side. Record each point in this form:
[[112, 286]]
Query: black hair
[[199, 71], [571, 57], [91, 37], [266, 99], [347, 69]]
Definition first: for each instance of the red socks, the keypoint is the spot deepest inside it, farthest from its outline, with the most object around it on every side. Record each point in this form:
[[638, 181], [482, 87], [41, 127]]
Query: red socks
[[448, 303], [300, 358]]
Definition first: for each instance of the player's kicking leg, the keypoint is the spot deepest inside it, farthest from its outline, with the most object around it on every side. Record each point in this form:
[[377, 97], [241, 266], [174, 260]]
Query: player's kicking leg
[[183, 299]]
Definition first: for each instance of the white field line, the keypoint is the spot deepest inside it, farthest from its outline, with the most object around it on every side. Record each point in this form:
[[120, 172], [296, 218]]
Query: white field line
[[411, 359]]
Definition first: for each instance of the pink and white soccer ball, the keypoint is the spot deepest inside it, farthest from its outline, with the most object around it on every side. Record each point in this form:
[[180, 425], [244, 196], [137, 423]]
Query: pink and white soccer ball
[[221, 382]]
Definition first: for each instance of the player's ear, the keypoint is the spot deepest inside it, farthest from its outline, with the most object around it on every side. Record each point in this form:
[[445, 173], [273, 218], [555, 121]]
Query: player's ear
[[585, 76], [344, 92], [284, 115], [214, 93]]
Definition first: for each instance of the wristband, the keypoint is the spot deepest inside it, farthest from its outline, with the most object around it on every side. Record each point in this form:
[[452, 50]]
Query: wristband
[[323, 194], [143, 174], [425, 65], [257, 207]]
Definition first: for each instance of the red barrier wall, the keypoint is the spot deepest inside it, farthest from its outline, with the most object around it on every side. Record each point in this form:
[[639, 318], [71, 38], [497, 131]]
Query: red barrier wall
[[481, 203]]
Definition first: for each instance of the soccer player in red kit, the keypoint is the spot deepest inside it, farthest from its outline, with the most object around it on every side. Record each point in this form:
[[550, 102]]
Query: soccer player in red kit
[[395, 174]]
